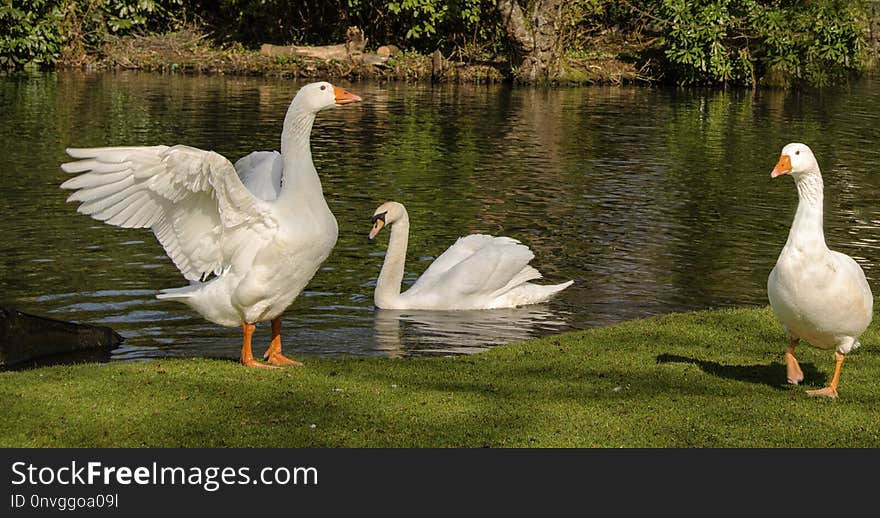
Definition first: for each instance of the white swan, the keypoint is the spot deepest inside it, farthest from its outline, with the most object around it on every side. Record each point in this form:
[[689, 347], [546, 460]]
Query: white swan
[[819, 295], [476, 272], [262, 231]]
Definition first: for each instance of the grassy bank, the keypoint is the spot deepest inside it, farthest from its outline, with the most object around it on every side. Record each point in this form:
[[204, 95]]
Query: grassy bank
[[705, 379]]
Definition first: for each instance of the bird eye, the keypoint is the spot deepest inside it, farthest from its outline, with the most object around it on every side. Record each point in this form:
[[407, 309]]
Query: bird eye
[[323, 87], [798, 152]]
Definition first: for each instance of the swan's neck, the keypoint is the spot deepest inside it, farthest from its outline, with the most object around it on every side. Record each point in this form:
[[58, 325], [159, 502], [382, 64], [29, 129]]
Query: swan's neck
[[807, 230], [388, 285], [300, 184]]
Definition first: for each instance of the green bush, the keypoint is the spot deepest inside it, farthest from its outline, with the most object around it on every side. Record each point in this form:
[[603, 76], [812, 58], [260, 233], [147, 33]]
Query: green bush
[[30, 33], [747, 41], [38, 32], [823, 44]]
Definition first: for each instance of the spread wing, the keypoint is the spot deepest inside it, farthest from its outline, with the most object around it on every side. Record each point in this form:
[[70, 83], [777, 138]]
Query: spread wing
[[189, 197]]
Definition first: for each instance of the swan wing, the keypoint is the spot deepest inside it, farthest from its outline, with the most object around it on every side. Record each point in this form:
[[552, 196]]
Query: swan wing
[[189, 197], [487, 269], [462, 249], [261, 173]]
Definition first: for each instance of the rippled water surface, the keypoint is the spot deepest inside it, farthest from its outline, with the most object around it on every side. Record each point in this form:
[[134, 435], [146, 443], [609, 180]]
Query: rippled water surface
[[653, 200]]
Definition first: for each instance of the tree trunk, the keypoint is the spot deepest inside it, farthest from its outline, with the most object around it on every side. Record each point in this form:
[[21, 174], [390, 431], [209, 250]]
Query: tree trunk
[[537, 41]]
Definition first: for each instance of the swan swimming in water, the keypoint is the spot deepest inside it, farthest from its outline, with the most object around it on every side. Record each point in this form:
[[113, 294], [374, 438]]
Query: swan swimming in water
[[477, 272]]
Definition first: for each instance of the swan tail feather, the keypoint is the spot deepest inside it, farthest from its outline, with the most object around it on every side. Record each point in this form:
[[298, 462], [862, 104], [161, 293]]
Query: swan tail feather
[[529, 293], [528, 273]]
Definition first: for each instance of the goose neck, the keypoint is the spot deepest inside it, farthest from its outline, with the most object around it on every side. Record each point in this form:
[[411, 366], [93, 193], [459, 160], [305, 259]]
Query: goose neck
[[807, 229], [296, 131], [300, 184]]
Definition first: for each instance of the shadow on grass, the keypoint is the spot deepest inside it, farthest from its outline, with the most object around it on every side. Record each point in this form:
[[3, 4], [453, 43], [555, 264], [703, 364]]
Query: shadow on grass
[[772, 375]]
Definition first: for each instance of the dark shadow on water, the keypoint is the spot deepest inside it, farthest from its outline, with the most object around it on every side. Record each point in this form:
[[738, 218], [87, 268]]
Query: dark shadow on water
[[772, 375]]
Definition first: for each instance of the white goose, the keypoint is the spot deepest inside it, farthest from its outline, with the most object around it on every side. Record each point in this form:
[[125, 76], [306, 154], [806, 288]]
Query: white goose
[[819, 295], [477, 272], [262, 230]]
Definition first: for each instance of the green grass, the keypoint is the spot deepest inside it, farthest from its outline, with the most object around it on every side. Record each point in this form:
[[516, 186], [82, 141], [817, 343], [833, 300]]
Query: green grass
[[704, 379]]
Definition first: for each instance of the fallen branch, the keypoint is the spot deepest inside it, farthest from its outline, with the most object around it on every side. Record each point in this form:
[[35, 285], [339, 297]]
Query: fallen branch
[[349, 51]]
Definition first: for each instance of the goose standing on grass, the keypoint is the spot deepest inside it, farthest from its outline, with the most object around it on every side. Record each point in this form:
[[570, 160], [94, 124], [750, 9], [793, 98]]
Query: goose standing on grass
[[477, 272], [819, 295], [261, 228]]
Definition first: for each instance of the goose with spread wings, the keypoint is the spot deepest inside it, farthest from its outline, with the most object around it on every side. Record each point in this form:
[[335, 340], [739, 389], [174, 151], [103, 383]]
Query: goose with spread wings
[[248, 237]]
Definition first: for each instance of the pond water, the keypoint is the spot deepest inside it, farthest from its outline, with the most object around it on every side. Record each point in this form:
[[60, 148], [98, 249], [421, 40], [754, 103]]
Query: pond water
[[653, 200]]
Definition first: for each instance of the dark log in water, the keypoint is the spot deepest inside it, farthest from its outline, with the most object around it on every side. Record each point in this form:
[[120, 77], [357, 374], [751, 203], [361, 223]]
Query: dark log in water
[[25, 337]]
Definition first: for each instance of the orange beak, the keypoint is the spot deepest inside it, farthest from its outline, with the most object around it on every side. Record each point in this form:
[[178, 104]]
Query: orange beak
[[377, 226], [782, 167], [344, 96]]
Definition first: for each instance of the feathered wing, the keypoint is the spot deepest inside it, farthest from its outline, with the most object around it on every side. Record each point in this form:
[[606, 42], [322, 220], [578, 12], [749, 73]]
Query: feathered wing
[[261, 173], [189, 197], [463, 248], [479, 265]]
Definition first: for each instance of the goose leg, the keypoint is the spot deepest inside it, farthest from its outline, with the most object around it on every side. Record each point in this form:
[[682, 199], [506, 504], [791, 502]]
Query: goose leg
[[793, 372], [273, 353], [247, 356], [831, 389]]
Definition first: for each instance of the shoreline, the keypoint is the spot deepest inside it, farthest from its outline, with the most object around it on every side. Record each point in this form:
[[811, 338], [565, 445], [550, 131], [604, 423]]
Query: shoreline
[[710, 378], [190, 52]]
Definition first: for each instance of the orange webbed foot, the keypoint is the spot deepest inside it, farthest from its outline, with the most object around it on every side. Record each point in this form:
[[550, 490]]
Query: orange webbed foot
[[273, 353], [255, 364], [827, 392], [281, 360]]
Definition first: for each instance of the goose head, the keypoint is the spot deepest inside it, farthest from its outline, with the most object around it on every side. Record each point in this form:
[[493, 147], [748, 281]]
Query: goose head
[[315, 97], [386, 214], [797, 160]]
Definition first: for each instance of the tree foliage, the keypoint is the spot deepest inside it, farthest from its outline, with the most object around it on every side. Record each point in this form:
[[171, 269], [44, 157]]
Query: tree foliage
[[743, 41], [38, 32], [729, 42], [422, 25]]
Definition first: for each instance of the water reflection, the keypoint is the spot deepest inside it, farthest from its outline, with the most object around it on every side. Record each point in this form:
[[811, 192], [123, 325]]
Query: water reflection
[[651, 199], [401, 332]]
